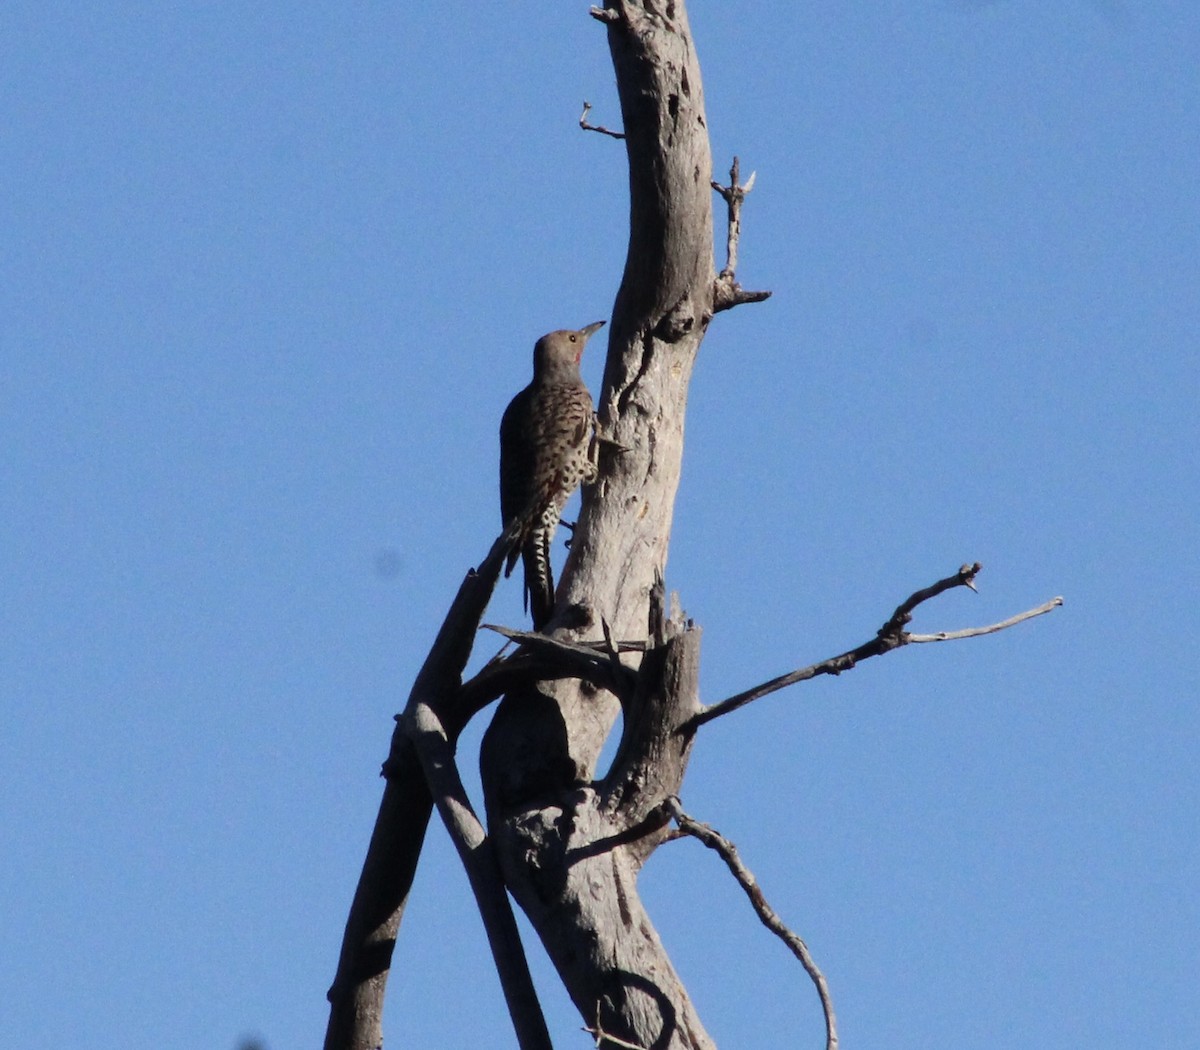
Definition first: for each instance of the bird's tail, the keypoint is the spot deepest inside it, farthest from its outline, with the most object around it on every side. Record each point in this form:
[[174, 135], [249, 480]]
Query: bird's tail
[[539, 577]]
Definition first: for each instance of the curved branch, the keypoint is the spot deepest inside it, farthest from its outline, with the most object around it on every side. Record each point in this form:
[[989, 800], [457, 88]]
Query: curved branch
[[745, 878], [519, 671], [965, 577], [890, 636]]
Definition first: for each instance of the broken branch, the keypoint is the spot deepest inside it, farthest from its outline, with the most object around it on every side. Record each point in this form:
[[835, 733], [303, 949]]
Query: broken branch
[[727, 293]]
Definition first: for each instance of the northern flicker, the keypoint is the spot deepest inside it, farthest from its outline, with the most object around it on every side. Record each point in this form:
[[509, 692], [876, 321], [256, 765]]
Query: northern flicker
[[545, 454]]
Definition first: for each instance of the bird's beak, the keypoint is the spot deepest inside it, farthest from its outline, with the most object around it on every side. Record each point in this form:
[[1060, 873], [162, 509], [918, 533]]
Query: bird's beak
[[587, 331]]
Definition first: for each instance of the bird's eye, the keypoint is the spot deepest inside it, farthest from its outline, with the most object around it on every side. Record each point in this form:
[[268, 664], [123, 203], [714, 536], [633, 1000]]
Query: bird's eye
[[574, 338]]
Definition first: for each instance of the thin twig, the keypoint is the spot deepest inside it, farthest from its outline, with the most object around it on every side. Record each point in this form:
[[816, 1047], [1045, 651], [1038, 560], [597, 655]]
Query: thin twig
[[890, 636], [583, 123], [976, 632], [728, 852], [573, 652], [600, 1036]]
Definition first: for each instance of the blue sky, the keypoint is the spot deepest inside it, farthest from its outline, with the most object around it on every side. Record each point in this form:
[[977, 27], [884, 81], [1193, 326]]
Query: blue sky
[[268, 279]]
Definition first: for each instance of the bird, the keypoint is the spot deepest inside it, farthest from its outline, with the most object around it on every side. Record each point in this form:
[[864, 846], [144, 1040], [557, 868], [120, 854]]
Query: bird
[[546, 453]]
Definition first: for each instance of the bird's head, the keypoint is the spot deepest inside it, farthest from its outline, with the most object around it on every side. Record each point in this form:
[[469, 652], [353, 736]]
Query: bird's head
[[558, 353]]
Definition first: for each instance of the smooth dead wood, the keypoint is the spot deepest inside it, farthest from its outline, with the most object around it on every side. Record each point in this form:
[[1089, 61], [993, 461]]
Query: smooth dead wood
[[572, 865], [570, 844]]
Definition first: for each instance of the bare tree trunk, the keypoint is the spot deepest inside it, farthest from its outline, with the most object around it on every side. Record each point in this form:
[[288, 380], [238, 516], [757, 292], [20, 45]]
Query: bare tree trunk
[[571, 848]]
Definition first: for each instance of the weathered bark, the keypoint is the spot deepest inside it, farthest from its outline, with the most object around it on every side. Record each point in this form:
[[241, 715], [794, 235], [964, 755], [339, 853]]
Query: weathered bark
[[572, 862], [570, 847]]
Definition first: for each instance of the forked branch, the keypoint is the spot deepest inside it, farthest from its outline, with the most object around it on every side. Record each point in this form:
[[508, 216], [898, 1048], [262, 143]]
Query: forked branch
[[727, 293], [890, 636]]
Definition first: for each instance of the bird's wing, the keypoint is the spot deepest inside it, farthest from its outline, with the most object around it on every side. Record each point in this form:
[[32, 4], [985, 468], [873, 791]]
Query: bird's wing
[[517, 449]]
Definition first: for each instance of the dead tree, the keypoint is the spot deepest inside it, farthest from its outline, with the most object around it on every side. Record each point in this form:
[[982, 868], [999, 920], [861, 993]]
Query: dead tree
[[565, 840]]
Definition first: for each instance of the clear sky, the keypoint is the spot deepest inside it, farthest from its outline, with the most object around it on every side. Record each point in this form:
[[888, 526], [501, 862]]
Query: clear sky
[[269, 274]]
